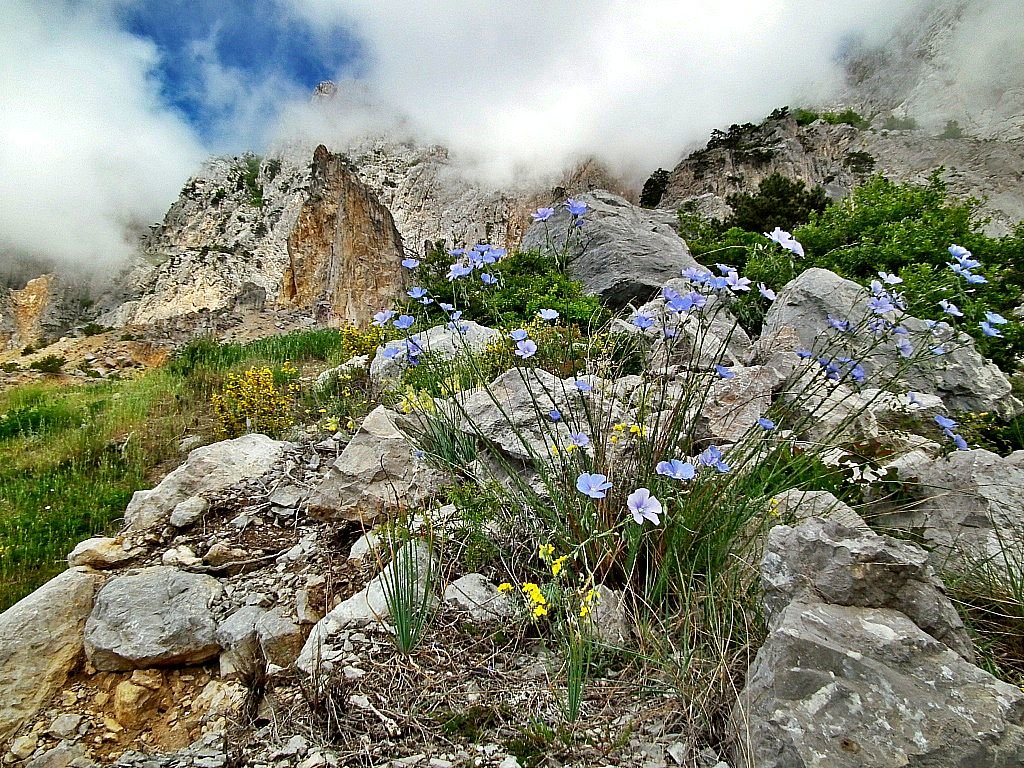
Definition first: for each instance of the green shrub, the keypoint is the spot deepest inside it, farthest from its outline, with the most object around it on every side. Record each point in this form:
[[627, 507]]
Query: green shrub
[[952, 130], [893, 123], [847, 116], [805, 116], [778, 202], [48, 364], [528, 281], [654, 189]]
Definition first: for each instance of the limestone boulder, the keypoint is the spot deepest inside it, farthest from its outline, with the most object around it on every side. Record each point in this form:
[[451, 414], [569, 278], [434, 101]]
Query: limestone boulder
[[208, 469], [799, 505], [961, 377], [852, 687], [442, 342], [966, 507], [41, 643], [622, 253], [102, 552], [824, 560], [376, 472], [479, 597], [160, 616]]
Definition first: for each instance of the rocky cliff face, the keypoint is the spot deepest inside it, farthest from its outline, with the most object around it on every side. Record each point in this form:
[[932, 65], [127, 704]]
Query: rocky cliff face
[[45, 307], [837, 157], [344, 251]]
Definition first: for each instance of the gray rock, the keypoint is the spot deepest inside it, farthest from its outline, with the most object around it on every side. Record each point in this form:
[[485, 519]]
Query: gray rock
[[624, 253], [965, 506], [65, 726], [40, 644], [157, 617], [287, 496], [476, 595], [280, 638], [440, 341], [821, 559], [799, 505], [62, 756], [376, 472], [826, 412], [853, 687], [208, 469], [607, 621], [188, 511], [237, 636], [734, 405], [961, 377]]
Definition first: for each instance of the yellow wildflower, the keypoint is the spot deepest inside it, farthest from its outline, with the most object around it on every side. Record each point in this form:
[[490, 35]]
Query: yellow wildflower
[[539, 611], [546, 551], [504, 587], [556, 566]]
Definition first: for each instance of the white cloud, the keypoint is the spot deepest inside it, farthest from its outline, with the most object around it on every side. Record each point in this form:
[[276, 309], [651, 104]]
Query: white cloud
[[86, 147], [531, 83]]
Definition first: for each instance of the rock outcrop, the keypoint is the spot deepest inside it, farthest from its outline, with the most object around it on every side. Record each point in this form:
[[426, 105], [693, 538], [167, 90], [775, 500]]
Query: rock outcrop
[[621, 252], [344, 252]]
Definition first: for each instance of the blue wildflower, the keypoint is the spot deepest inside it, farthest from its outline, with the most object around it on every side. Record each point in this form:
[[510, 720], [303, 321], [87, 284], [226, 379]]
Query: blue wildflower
[[488, 279], [518, 335], [643, 321], [382, 317], [786, 240], [905, 347], [889, 279], [959, 442], [592, 485], [457, 270], [765, 423], [543, 214], [410, 263], [767, 292], [950, 308], [555, 415], [880, 305], [839, 325], [723, 372], [576, 207], [526, 348], [579, 439], [995, 318], [945, 422], [416, 292], [644, 506], [404, 322], [583, 385], [712, 457], [990, 330], [736, 283], [676, 469], [548, 314]]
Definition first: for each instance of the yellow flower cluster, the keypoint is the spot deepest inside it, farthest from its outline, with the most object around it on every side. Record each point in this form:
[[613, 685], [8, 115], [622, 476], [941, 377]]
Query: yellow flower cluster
[[356, 342], [622, 429], [537, 600], [547, 554], [416, 401], [252, 402], [587, 604]]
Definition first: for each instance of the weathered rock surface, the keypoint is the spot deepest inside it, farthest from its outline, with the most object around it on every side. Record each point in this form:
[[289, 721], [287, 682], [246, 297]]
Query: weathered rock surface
[[961, 377], [800, 505], [824, 560], [101, 552], [344, 252], [237, 636], [842, 686], [158, 617], [40, 644], [208, 469], [441, 342], [280, 638], [376, 472], [624, 253], [479, 597], [967, 508]]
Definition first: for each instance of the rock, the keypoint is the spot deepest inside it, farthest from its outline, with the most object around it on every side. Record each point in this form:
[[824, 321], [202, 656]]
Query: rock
[[280, 638], [829, 413], [188, 511], [850, 687], [65, 726], [344, 252], [370, 606], [822, 559], [180, 555], [734, 405], [101, 553], [441, 342], [208, 469], [287, 496], [624, 253], [134, 703], [376, 472], [40, 644], [961, 377], [237, 636], [607, 619], [799, 505], [351, 366], [305, 611], [221, 554], [219, 699], [966, 507], [364, 545], [480, 598], [157, 617], [23, 746], [62, 756]]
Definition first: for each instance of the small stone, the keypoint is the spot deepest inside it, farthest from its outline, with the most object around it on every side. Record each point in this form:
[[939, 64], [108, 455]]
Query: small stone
[[188, 511], [181, 555], [221, 554], [65, 726], [23, 746]]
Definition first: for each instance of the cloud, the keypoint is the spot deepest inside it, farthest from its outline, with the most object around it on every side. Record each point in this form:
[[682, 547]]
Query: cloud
[[87, 149], [532, 84]]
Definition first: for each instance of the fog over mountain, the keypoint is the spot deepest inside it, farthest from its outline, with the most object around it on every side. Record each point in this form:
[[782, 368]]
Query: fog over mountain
[[95, 140]]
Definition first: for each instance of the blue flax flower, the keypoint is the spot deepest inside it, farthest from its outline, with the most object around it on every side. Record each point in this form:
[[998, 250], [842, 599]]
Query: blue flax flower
[[950, 308], [543, 214], [905, 347], [676, 469], [712, 457], [583, 385], [382, 317], [765, 423], [488, 279], [945, 422], [526, 348], [767, 292], [736, 283], [579, 439], [404, 322], [518, 335], [889, 279], [839, 325], [592, 485], [643, 321], [410, 263], [995, 318], [555, 415], [723, 372], [548, 314], [644, 506], [990, 330], [457, 270], [576, 207]]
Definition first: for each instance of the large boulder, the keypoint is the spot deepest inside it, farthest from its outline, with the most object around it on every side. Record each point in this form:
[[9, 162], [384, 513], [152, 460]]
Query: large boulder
[[622, 253], [377, 471], [158, 617], [849, 687], [855, 566], [208, 469], [40, 644], [966, 507], [442, 342], [961, 377]]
